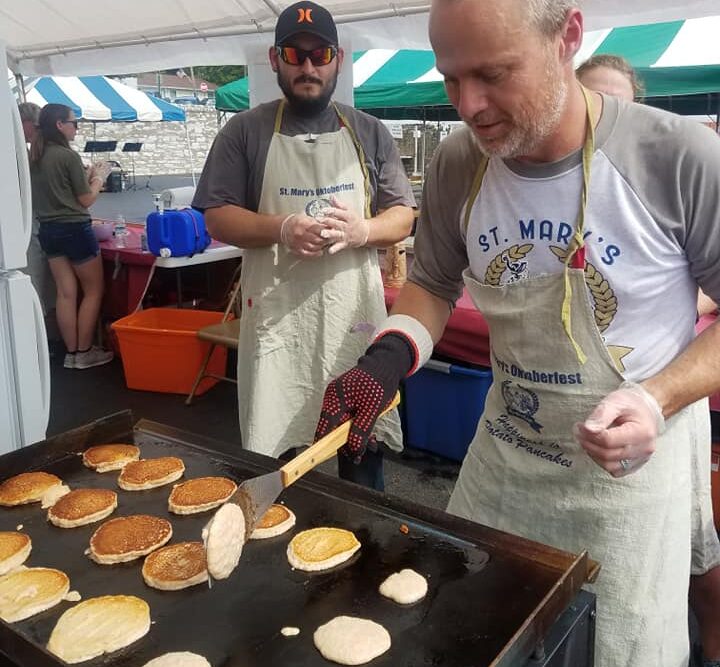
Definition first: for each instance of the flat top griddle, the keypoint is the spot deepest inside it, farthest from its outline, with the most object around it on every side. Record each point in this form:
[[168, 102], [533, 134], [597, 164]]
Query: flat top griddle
[[491, 596]]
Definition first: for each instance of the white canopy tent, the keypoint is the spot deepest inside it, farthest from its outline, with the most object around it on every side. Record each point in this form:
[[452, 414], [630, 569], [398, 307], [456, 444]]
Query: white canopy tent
[[78, 37]]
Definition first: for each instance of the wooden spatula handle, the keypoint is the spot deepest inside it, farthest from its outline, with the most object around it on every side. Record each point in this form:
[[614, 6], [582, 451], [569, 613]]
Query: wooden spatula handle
[[322, 450]]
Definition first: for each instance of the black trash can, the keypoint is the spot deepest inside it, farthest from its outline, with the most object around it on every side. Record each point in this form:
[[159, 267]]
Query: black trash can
[[114, 182]]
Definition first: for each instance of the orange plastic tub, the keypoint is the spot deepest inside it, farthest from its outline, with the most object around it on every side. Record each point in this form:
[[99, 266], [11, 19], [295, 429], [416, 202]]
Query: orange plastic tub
[[161, 352]]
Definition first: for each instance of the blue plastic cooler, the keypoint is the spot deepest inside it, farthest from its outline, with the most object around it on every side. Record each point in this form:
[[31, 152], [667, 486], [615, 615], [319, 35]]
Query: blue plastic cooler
[[177, 233], [443, 403]]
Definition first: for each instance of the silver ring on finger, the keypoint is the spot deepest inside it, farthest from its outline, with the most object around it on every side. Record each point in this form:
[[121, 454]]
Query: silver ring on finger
[[625, 464]]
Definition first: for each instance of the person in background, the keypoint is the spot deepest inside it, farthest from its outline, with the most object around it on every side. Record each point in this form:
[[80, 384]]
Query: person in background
[[62, 191], [613, 75], [309, 188], [576, 221], [37, 264], [29, 116]]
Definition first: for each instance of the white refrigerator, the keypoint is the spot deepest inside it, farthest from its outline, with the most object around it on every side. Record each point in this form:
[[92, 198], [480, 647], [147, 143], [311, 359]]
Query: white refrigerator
[[24, 359]]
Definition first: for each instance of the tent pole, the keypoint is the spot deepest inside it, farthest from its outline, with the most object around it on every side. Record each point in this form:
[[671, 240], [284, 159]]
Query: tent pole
[[192, 168], [21, 87], [424, 132]]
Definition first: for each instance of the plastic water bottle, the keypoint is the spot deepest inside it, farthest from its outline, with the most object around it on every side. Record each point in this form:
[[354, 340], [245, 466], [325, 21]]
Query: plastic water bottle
[[120, 231]]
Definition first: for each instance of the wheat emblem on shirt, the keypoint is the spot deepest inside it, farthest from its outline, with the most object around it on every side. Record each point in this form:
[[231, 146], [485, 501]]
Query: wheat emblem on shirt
[[604, 299], [510, 260]]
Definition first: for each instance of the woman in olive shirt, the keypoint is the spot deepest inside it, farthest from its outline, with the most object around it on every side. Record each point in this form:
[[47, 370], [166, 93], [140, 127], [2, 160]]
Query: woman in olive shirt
[[62, 193]]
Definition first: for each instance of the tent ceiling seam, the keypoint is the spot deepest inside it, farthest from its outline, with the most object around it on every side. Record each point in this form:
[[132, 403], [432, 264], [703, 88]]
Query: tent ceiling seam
[[28, 54]]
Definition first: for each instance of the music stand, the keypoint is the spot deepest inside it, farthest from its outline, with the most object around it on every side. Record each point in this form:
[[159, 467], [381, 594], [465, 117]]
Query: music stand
[[133, 147], [100, 146]]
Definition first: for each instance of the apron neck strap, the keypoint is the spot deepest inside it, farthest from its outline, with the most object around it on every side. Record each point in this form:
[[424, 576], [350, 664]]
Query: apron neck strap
[[576, 250], [361, 157], [279, 116], [474, 190]]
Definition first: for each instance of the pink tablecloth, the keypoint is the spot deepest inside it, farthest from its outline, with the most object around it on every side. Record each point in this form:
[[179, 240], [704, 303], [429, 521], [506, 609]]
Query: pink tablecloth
[[466, 334], [126, 272]]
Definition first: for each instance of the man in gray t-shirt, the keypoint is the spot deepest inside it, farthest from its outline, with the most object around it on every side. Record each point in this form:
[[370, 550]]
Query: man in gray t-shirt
[[581, 227], [310, 189]]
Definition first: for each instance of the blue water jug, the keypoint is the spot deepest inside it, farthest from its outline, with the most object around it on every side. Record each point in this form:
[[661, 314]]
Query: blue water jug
[[182, 232]]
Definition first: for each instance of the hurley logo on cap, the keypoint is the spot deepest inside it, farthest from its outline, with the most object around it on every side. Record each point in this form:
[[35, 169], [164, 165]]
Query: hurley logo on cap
[[304, 14]]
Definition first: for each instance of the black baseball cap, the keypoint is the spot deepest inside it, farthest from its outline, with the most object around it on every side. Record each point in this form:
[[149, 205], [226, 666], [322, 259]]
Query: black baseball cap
[[305, 17]]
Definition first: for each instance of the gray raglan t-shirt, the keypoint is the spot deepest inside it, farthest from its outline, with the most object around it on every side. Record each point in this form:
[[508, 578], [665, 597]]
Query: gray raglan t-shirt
[[235, 166], [652, 226]]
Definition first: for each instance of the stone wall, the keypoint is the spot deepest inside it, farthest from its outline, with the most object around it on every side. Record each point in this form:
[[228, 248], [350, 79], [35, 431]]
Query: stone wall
[[165, 146], [165, 149]]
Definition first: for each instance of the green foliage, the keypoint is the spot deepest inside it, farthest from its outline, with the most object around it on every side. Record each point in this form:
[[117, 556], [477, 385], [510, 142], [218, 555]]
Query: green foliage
[[220, 74]]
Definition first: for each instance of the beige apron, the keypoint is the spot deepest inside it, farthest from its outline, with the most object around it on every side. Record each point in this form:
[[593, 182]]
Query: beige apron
[[705, 544], [525, 474], [298, 328]]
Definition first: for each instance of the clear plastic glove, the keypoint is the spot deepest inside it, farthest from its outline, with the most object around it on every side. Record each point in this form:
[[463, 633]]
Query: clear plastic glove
[[301, 235], [344, 227], [621, 432]]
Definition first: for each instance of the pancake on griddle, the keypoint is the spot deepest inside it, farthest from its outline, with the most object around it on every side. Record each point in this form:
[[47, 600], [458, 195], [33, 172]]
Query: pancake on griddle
[[321, 548], [277, 520], [149, 473], [29, 591], [53, 494], [27, 487], [103, 458], [99, 625], [178, 659], [14, 549], [82, 506], [176, 566], [201, 494], [128, 537], [224, 537]]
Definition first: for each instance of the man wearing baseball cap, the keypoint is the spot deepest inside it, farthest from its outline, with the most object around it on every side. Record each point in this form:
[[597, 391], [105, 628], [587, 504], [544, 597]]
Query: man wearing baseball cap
[[309, 188]]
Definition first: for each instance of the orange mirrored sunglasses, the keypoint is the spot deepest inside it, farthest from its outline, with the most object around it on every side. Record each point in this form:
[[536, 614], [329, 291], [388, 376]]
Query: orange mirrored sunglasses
[[318, 57]]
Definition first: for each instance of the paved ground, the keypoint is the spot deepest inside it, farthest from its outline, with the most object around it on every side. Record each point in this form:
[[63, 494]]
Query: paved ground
[[135, 204]]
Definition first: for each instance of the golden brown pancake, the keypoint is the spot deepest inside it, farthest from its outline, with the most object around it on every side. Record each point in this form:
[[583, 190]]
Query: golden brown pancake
[[27, 487], [27, 592], [176, 566], [201, 494], [82, 506], [321, 548], [14, 550], [277, 520], [99, 625], [128, 537], [149, 473], [103, 458]]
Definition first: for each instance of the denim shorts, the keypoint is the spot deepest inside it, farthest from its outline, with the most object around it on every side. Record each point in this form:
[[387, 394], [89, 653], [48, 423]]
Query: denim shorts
[[74, 240]]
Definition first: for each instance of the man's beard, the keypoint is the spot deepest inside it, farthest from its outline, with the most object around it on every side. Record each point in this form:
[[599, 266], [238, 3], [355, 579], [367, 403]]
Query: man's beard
[[307, 106], [533, 123]]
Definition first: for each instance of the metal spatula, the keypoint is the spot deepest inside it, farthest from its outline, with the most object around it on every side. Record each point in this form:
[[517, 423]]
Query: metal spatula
[[255, 495]]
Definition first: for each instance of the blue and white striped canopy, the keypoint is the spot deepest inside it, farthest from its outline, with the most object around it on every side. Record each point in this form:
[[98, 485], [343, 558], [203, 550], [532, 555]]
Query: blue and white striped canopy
[[100, 98]]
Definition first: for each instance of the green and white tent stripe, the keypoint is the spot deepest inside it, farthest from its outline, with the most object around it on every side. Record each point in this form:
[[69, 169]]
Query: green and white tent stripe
[[677, 58]]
